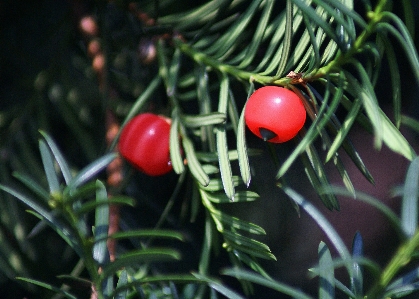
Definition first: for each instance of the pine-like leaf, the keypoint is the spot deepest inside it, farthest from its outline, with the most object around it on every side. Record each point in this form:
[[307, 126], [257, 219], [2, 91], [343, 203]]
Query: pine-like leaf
[[409, 210], [357, 281], [326, 273], [272, 284], [219, 287], [138, 257], [100, 249], [48, 287], [90, 171]]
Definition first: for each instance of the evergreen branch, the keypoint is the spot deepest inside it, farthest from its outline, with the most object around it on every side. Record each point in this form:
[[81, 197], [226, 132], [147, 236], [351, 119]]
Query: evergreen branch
[[375, 17], [217, 65]]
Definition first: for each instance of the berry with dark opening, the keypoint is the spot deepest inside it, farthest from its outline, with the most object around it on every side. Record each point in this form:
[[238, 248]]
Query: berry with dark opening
[[144, 142], [274, 114]]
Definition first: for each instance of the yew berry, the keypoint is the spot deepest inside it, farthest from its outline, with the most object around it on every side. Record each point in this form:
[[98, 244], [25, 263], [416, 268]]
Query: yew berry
[[274, 114], [144, 142]]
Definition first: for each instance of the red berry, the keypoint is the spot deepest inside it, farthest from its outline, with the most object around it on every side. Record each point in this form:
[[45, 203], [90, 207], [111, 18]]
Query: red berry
[[274, 114], [144, 142]]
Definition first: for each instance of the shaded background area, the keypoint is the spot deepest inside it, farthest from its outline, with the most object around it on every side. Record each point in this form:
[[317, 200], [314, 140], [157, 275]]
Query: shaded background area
[[47, 82]]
